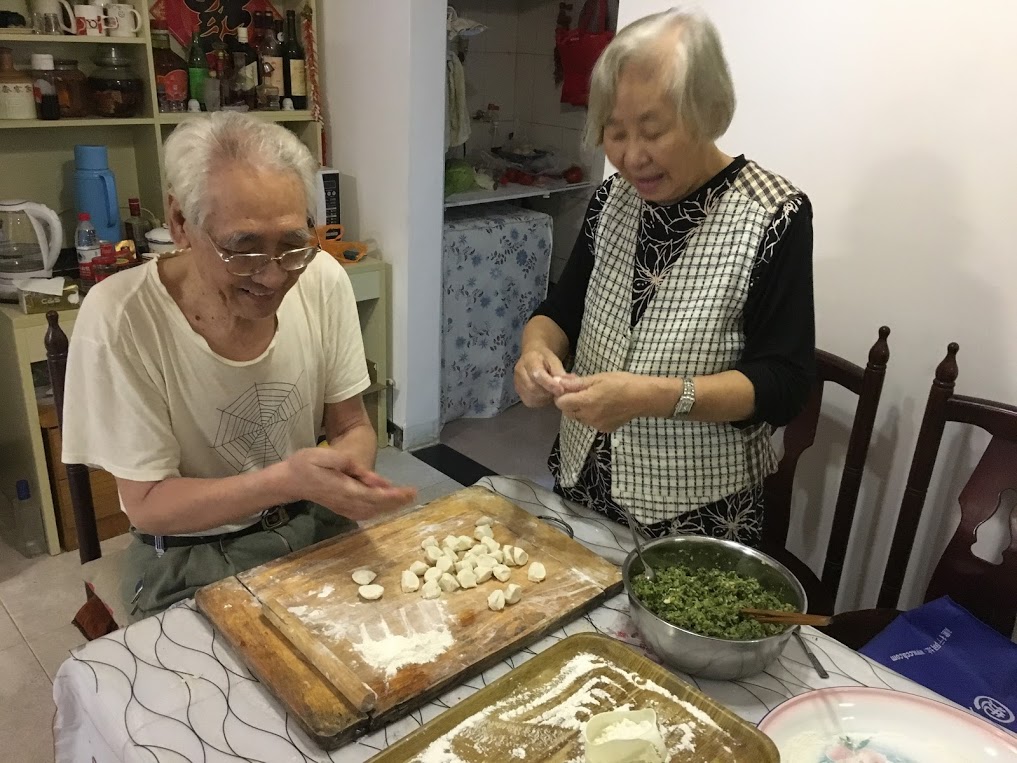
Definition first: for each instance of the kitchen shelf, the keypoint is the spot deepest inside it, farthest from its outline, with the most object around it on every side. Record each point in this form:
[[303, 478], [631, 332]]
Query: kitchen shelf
[[269, 116], [14, 124], [60, 39], [508, 192]]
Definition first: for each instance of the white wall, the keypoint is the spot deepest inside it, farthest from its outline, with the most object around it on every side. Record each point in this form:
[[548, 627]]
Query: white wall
[[897, 118], [383, 76]]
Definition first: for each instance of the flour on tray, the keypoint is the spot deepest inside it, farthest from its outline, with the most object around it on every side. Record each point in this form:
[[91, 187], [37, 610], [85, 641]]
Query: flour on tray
[[562, 706]]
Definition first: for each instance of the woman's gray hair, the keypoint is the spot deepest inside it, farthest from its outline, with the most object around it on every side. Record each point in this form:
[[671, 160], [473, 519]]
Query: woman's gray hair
[[197, 145], [700, 82]]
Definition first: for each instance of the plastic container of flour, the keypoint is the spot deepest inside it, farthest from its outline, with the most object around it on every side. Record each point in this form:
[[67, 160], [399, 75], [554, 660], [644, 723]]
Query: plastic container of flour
[[624, 736]]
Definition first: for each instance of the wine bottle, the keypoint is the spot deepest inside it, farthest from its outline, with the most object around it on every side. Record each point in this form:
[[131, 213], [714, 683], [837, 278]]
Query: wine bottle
[[294, 76], [270, 60]]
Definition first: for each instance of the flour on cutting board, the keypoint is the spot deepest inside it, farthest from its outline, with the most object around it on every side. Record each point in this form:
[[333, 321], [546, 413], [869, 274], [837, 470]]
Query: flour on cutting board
[[587, 685], [386, 647]]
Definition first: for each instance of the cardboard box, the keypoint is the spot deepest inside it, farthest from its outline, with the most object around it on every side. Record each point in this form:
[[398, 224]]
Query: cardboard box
[[32, 302]]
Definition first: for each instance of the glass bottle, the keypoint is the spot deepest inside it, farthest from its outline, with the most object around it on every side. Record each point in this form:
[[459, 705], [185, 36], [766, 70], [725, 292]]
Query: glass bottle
[[245, 65], [17, 99], [270, 60], [136, 226], [197, 69], [71, 89], [294, 77], [44, 87], [170, 73], [117, 91]]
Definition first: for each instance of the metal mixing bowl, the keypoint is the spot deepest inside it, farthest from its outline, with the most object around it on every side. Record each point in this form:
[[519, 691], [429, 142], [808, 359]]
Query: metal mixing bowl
[[705, 656]]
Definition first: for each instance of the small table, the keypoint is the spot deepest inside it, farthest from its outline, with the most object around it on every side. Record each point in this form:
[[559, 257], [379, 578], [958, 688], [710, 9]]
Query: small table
[[168, 688]]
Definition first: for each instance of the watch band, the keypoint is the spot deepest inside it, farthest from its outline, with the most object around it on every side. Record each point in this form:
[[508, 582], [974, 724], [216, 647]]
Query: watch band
[[687, 399]]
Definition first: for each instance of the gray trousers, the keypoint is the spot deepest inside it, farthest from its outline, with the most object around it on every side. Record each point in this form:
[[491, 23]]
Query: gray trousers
[[179, 572]]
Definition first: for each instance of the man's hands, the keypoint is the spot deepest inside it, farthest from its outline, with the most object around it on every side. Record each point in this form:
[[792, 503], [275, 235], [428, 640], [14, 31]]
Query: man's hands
[[336, 481]]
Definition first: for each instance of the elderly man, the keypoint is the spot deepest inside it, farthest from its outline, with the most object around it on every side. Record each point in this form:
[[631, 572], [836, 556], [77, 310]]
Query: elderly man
[[202, 380]]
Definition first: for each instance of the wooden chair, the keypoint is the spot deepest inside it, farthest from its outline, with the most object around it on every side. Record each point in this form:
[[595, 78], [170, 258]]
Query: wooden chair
[[799, 435], [102, 609], [988, 590]]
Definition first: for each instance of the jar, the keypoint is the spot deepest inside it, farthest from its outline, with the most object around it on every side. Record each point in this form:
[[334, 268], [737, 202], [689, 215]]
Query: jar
[[44, 86], [71, 89], [117, 91], [159, 242], [16, 98], [103, 267]]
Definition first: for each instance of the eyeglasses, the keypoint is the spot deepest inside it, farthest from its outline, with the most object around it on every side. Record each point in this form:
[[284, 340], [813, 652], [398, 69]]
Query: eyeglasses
[[252, 263]]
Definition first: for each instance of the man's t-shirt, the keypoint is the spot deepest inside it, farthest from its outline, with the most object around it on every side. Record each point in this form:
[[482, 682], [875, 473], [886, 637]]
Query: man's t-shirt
[[146, 398]]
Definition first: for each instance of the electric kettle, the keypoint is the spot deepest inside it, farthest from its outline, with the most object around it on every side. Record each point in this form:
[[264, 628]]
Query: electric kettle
[[30, 241]]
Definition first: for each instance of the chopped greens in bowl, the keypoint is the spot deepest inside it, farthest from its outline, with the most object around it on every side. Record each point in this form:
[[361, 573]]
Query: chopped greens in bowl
[[709, 601]]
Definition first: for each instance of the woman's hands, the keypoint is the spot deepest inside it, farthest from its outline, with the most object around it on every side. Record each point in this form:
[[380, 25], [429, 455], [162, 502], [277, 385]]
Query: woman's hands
[[537, 377], [605, 401]]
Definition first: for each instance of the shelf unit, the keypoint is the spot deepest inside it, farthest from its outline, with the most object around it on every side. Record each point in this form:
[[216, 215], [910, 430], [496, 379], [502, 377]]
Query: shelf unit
[[509, 192], [38, 163]]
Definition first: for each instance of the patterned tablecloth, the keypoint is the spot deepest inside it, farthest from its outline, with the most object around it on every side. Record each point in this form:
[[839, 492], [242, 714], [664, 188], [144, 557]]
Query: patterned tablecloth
[[169, 689], [495, 263]]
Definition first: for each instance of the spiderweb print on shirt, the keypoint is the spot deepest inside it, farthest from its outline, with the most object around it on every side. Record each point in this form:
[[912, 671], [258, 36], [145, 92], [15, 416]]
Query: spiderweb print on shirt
[[254, 429]]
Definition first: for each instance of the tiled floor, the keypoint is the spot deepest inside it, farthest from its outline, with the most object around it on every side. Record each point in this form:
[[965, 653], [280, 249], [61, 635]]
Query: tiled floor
[[38, 598], [515, 442]]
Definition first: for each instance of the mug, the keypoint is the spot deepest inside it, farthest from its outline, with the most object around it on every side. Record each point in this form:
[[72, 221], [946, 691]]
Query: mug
[[89, 21], [123, 20], [46, 10]]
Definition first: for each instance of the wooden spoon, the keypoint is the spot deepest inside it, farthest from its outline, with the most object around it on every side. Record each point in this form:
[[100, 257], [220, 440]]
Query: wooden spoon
[[780, 617]]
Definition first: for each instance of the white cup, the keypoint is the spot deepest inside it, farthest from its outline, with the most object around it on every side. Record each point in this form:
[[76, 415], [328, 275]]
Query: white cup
[[89, 21], [46, 7], [122, 20]]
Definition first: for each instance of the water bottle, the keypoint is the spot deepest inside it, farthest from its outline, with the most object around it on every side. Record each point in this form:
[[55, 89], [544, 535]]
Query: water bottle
[[86, 240]]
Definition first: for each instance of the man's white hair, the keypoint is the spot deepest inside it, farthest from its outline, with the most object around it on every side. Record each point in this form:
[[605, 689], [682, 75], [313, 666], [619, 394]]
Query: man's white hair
[[698, 81], [197, 146]]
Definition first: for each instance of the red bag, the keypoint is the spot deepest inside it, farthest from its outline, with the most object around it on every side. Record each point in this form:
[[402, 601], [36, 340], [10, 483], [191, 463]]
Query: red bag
[[579, 50]]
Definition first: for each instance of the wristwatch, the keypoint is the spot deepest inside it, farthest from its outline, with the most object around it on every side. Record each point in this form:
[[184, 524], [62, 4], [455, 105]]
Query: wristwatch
[[687, 400]]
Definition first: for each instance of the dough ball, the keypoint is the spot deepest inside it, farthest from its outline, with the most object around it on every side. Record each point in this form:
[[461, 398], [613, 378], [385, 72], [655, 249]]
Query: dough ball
[[409, 581], [466, 579], [484, 574], [432, 574], [371, 592], [491, 543], [431, 590], [483, 531], [519, 556], [498, 556], [465, 564], [448, 583], [433, 554], [364, 577], [428, 541], [509, 554], [496, 600], [465, 543], [451, 541], [419, 568], [444, 564], [484, 521], [513, 593], [536, 573], [486, 560], [451, 553], [502, 572]]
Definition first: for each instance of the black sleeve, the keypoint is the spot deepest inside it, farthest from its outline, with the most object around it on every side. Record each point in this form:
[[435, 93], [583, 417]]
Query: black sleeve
[[567, 300], [780, 325]]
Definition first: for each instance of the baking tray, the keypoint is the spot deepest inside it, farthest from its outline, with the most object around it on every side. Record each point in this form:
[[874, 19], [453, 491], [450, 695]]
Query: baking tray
[[537, 712]]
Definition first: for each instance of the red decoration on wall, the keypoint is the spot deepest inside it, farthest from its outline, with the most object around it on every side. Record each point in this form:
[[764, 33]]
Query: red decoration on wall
[[217, 19]]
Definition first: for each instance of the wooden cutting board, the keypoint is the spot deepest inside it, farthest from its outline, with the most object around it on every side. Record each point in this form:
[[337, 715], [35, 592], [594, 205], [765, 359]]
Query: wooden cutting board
[[315, 586]]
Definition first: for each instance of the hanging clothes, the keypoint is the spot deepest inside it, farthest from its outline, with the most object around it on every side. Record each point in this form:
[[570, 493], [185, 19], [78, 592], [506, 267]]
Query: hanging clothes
[[457, 115]]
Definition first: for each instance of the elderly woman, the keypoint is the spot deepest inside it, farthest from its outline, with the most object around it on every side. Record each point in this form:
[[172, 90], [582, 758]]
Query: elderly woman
[[203, 380], [686, 303]]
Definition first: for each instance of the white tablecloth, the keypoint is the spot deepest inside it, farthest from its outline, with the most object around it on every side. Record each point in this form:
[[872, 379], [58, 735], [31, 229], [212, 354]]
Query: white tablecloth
[[169, 689]]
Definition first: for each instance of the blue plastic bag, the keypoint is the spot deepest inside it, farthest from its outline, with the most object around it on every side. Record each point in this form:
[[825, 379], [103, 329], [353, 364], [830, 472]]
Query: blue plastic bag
[[945, 648]]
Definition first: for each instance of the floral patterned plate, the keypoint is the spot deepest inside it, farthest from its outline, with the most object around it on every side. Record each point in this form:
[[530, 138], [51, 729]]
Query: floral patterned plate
[[863, 725]]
